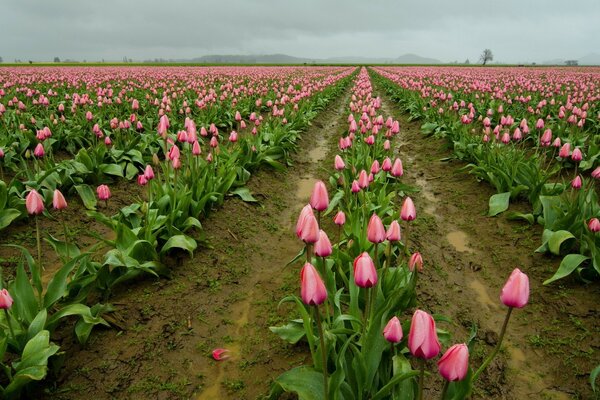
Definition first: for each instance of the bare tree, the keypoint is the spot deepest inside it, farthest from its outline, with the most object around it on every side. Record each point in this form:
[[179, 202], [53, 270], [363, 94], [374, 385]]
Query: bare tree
[[486, 56]]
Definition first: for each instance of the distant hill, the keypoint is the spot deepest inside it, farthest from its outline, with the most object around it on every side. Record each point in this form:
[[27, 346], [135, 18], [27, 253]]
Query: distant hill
[[589, 59], [286, 59]]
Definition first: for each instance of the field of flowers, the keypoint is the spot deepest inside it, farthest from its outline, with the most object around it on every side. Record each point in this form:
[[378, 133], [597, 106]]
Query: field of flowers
[[108, 176]]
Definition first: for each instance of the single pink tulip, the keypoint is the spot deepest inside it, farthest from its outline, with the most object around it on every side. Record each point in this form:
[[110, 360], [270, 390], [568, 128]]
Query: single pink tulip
[[565, 150], [375, 230], [142, 180], [415, 261], [39, 151], [386, 165], [306, 210], [58, 200], [594, 225], [233, 137], [6, 301], [363, 179], [34, 203], [576, 183], [408, 211], [310, 230], [312, 288], [596, 173], [422, 338], [196, 150], [340, 218], [454, 364], [355, 186], [103, 192], [393, 331], [394, 232], [319, 199], [149, 172], [576, 156], [365, 274], [323, 245], [515, 292], [375, 167], [397, 169], [339, 163], [221, 354]]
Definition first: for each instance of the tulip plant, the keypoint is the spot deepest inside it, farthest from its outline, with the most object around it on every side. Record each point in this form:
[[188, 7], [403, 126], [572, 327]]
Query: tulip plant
[[527, 140], [355, 292]]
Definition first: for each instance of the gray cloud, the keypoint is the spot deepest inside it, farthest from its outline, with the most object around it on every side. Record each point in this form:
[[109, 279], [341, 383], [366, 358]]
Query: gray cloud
[[516, 30]]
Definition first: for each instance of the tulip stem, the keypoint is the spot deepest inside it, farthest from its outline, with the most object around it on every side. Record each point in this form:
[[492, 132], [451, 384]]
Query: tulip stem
[[323, 354], [444, 389], [39, 242], [12, 333], [66, 233], [421, 378], [493, 354]]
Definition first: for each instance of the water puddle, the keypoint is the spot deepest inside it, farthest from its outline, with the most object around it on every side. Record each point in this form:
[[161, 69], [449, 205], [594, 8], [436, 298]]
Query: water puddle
[[482, 295], [240, 313], [318, 152], [458, 240], [430, 207], [304, 190]]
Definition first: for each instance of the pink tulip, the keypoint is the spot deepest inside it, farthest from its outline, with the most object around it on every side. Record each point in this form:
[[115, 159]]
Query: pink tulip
[[221, 354], [339, 163], [375, 230], [323, 245], [565, 150], [306, 210], [39, 150], [386, 165], [393, 233], [319, 199], [365, 274], [363, 179], [415, 261], [596, 173], [142, 180], [422, 338], [393, 331], [355, 186], [312, 288], [196, 150], [408, 211], [149, 172], [594, 225], [576, 156], [34, 203], [103, 192], [58, 200], [515, 292], [6, 300], [576, 183], [454, 364], [233, 137], [397, 169], [375, 167], [340, 218], [309, 232]]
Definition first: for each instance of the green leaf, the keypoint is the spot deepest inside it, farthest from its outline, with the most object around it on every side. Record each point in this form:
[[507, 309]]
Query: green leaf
[[8, 216], [517, 215], [88, 197], [245, 195], [38, 324], [567, 265], [57, 287], [112, 169], [557, 239], [499, 203], [304, 381], [291, 333], [393, 382], [27, 305], [593, 377], [179, 241]]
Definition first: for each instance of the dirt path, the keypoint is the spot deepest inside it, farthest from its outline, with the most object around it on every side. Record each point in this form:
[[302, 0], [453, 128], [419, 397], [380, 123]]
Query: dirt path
[[553, 343], [225, 297]]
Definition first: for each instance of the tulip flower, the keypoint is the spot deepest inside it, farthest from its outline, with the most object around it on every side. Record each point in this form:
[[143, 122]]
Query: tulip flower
[[454, 364], [408, 212], [6, 300], [415, 261], [323, 245], [103, 192], [596, 173], [422, 338], [576, 156], [220, 354], [149, 172], [312, 288], [393, 233], [375, 230], [397, 169], [34, 203], [58, 200], [309, 230], [393, 330], [339, 163], [594, 225], [39, 151], [565, 150], [365, 274], [319, 199], [306, 210], [355, 186], [340, 218], [515, 292], [576, 182]]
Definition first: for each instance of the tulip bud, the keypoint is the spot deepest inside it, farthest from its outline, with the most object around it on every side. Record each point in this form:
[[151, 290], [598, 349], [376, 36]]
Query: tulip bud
[[58, 200], [422, 338], [365, 274], [393, 331], [323, 245], [408, 212], [6, 300], [594, 225], [515, 292], [319, 199], [375, 230], [312, 288], [415, 261], [454, 364], [34, 203], [340, 218]]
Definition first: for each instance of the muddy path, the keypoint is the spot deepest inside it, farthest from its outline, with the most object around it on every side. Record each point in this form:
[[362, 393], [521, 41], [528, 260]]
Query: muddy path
[[553, 343], [225, 297]]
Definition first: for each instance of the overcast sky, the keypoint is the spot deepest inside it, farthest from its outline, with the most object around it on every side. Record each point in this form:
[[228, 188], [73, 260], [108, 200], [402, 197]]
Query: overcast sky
[[515, 30]]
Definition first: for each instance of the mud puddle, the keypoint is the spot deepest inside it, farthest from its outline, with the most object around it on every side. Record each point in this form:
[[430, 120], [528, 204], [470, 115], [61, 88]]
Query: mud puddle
[[459, 240]]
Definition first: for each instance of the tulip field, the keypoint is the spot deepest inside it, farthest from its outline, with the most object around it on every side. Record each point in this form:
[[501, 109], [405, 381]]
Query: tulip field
[[322, 232]]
